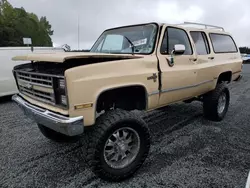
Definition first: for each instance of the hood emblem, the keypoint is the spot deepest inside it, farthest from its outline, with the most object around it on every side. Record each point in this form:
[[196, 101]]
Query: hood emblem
[[28, 85]]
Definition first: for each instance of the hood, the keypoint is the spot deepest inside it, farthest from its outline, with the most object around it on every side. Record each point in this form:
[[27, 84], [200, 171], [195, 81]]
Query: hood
[[61, 57]]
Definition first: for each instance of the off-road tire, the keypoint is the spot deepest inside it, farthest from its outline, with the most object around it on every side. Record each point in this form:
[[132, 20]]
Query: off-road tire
[[105, 126], [211, 101], [55, 136]]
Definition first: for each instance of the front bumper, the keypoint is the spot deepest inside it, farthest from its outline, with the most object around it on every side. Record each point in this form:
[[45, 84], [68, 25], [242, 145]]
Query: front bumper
[[59, 123]]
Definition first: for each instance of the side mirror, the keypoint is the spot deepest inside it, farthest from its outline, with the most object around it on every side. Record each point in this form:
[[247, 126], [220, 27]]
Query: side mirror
[[179, 49]]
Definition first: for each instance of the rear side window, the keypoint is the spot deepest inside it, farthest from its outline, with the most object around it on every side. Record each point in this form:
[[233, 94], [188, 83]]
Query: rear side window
[[201, 42], [223, 43]]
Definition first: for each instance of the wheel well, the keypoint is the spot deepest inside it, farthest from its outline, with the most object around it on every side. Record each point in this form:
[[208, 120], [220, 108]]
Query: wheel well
[[127, 98], [225, 77]]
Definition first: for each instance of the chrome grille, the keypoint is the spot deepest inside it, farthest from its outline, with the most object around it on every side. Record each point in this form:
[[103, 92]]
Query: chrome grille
[[36, 86], [42, 80]]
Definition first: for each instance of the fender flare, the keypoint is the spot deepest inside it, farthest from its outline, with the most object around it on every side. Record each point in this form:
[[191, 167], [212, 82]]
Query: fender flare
[[103, 90]]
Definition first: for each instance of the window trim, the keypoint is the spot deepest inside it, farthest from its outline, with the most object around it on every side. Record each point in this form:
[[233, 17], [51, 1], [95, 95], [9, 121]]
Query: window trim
[[104, 40], [207, 45], [154, 49], [166, 32], [237, 50]]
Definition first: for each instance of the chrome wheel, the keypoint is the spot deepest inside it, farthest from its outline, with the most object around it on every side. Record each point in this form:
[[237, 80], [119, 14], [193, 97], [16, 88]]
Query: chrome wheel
[[222, 103], [121, 148]]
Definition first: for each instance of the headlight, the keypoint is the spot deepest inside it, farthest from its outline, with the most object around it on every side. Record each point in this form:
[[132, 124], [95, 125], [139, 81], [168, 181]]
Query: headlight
[[62, 83], [63, 100], [60, 92]]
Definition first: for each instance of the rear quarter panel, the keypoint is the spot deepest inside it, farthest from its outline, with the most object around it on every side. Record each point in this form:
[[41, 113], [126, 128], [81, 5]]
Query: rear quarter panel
[[222, 62]]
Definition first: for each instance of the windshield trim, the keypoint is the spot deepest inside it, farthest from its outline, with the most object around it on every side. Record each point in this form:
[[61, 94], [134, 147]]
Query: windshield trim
[[153, 48]]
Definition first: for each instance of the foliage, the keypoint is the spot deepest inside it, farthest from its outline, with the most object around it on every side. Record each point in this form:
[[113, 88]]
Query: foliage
[[16, 23], [244, 50]]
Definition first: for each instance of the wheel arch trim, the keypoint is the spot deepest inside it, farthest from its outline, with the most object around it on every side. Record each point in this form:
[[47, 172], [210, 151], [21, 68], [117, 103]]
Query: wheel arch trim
[[100, 92]]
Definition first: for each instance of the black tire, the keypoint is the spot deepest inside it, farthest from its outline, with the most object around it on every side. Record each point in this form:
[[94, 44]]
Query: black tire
[[55, 136], [107, 125], [211, 102]]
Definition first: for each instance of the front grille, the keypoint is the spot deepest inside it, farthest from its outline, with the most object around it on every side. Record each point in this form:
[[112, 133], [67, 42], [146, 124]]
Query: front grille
[[39, 87], [42, 80]]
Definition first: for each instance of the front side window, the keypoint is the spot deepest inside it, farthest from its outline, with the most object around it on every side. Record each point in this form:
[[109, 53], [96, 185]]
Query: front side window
[[122, 40], [175, 36], [223, 43], [201, 42]]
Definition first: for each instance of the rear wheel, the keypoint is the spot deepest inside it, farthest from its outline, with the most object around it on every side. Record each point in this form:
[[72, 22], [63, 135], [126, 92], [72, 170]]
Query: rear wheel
[[118, 146], [55, 136], [216, 103]]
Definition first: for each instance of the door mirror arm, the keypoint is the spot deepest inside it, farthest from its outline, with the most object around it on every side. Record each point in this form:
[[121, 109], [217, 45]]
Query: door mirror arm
[[179, 49]]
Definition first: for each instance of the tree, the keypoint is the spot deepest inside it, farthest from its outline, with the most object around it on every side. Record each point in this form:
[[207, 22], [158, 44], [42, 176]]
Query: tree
[[244, 50], [16, 23]]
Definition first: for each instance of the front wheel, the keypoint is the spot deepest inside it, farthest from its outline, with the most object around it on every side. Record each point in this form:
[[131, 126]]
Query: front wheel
[[216, 103], [118, 146]]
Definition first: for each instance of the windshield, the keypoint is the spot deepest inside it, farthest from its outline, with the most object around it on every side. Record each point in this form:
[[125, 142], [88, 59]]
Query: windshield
[[132, 39]]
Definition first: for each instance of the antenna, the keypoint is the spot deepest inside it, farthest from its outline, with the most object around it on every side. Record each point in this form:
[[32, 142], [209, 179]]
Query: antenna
[[78, 30]]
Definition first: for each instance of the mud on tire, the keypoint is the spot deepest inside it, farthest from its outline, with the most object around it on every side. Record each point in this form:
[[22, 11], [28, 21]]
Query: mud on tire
[[216, 103], [111, 128]]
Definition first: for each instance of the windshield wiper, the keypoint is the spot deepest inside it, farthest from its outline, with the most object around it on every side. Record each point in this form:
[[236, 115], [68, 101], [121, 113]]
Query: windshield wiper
[[133, 46]]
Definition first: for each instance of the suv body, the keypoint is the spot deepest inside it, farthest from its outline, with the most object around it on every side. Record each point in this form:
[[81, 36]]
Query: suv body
[[142, 67]]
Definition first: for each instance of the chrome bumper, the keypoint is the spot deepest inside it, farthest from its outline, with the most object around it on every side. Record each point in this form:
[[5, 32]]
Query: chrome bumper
[[59, 123]]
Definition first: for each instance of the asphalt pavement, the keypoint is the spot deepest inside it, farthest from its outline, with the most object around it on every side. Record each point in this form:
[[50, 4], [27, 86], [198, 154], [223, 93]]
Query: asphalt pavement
[[187, 150]]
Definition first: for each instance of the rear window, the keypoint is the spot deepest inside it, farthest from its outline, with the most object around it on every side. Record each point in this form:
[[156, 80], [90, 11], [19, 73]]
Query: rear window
[[223, 43]]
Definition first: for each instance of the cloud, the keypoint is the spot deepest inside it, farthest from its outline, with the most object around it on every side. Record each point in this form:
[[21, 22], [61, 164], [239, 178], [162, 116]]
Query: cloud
[[172, 13], [98, 15]]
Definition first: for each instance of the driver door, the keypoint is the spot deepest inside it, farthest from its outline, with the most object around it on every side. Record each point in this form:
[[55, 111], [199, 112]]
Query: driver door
[[177, 79]]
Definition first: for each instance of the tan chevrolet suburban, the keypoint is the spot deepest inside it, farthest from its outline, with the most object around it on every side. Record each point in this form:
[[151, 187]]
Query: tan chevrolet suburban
[[137, 67]]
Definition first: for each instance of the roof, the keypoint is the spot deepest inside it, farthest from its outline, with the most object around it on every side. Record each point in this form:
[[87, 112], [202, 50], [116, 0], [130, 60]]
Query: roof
[[186, 25]]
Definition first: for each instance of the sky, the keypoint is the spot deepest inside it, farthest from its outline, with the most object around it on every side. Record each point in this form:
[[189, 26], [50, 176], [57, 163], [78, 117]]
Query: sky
[[97, 15]]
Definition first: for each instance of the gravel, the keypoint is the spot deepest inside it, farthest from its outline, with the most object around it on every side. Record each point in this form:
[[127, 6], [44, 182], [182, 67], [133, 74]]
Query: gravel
[[186, 151]]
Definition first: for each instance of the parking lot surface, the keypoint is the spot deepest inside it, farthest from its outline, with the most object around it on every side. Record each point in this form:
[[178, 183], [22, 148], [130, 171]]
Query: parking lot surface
[[186, 151]]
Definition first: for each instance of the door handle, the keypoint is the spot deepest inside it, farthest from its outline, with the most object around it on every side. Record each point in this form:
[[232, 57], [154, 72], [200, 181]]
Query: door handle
[[211, 58], [193, 59]]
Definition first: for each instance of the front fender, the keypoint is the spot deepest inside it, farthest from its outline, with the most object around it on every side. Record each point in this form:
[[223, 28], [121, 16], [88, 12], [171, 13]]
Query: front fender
[[117, 86], [89, 113], [86, 83]]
